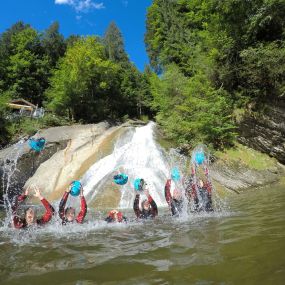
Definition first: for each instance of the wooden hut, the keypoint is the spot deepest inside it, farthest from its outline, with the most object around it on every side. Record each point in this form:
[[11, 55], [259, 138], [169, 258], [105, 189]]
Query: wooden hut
[[22, 107]]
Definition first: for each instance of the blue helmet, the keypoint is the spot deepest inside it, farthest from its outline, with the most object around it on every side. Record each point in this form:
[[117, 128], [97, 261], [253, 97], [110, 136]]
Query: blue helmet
[[121, 179], [75, 188], [37, 144], [138, 184], [199, 157], [175, 174]]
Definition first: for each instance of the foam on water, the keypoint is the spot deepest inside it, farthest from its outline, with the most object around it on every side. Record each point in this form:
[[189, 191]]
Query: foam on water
[[54, 230]]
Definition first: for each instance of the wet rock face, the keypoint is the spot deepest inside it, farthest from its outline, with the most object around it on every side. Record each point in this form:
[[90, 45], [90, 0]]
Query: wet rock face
[[26, 166], [58, 138], [266, 132], [236, 177]]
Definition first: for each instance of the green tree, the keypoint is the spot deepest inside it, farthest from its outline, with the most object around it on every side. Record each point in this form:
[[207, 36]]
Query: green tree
[[27, 69], [232, 51], [134, 91], [190, 110], [53, 43], [6, 50], [4, 123], [239, 26], [72, 39], [263, 72], [175, 30], [84, 83], [114, 44]]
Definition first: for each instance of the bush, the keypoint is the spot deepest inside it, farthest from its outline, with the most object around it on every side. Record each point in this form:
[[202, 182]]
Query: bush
[[26, 126], [144, 118], [51, 120], [4, 123]]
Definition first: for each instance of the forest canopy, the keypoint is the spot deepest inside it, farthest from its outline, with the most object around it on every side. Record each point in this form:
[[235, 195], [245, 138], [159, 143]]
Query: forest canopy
[[209, 59], [214, 57], [83, 79]]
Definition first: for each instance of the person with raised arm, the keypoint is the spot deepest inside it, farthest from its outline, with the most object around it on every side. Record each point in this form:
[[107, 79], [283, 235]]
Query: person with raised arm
[[148, 206], [67, 215], [174, 201], [173, 195], [199, 190], [30, 217]]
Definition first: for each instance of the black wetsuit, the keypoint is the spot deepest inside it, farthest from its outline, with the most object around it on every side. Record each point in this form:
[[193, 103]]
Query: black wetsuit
[[144, 214], [176, 206], [81, 215]]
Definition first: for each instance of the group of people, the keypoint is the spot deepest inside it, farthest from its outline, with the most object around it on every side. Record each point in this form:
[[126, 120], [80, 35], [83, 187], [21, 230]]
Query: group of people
[[67, 214], [197, 193]]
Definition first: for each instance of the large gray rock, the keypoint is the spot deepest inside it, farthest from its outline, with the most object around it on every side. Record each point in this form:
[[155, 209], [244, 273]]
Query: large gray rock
[[265, 131], [236, 176], [18, 162]]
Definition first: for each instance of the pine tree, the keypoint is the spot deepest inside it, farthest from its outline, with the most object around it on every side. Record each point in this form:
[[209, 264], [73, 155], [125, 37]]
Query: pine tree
[[53, 43], [114, 44]]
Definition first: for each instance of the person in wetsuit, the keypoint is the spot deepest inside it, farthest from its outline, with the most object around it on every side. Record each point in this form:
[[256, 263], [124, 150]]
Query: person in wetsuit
[[68, 215], [30, 217], [205, 195], [115, 216], [148, 206], [175, 201], [200, 192]]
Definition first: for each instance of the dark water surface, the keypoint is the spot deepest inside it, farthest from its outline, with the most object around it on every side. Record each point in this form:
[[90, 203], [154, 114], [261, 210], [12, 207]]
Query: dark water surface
[[243, 245]]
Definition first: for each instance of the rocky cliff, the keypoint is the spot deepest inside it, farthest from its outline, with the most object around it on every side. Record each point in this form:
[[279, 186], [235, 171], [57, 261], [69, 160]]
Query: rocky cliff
[[264, 130]]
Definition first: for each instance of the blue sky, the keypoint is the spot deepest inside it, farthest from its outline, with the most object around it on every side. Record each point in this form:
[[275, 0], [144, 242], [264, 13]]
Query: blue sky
[[84, 17]]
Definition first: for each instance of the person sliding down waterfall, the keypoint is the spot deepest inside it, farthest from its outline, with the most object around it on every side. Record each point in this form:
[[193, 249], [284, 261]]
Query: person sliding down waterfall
[[30, 218], [115, 216], [68, 215], [174, 200], [148, 206]]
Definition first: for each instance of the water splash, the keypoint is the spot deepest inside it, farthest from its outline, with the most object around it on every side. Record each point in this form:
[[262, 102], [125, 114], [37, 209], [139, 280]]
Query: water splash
[[137, 154], [200, 168], [9, 169]]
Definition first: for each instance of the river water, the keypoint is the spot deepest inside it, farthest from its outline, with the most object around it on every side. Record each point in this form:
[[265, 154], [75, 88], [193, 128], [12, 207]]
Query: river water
[[244, 244]]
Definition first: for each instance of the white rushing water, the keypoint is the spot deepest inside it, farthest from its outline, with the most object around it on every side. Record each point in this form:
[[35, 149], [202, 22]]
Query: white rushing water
[[9, 168], [138, 155], [10, 164]]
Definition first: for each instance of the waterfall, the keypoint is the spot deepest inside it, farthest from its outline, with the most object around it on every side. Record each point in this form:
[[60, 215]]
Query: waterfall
[[9, 168], [137, 154], [10, 165]]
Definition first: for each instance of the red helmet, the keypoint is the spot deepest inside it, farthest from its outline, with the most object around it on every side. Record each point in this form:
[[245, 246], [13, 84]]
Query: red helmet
[[116, 215]]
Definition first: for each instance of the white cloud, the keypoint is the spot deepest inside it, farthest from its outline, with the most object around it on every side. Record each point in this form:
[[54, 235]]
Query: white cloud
[[99, 5], [69, 2], [81, 5], [86, 5]]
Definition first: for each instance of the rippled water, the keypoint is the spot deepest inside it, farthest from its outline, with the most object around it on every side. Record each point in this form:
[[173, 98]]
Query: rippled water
[[245, 245]]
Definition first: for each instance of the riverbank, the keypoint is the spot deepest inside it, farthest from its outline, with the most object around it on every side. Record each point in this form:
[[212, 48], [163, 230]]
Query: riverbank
[[241, 168], [235, 169]]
